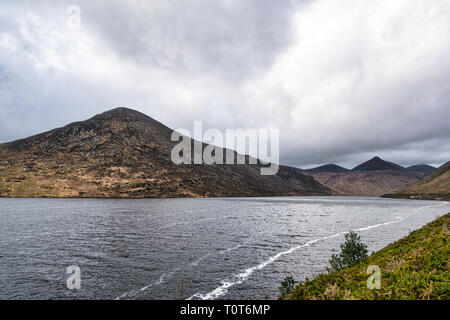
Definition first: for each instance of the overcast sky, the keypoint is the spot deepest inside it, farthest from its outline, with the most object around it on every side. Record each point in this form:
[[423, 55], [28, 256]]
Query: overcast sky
[[343, 80]]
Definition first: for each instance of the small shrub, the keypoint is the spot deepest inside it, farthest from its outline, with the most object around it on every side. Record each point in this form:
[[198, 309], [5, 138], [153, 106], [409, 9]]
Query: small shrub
[[352, 252], [286, 287]]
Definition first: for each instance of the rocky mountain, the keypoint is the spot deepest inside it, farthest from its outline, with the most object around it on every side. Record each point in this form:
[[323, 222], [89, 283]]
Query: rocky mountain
[[377, 164], [124, 153], [371, 178], [327, 168], [434, 186]]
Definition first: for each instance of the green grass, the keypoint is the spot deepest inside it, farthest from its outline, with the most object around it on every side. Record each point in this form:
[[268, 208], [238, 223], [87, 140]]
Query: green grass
[[415, 267]]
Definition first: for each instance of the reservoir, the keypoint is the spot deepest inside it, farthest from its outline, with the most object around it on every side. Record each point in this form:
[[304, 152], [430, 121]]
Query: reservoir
[[230, 248]]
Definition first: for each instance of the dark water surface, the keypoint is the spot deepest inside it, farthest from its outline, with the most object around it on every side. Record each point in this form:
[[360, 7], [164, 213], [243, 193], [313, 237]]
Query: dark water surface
[[219, 248]]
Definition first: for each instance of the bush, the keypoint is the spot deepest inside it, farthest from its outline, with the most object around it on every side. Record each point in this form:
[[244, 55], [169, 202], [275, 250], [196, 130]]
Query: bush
[[286, 287], [352, 252]]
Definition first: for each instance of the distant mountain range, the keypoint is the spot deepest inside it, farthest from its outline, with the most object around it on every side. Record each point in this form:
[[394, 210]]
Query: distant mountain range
[[374, 177], [124, 153], [374, 164], [434, 186]]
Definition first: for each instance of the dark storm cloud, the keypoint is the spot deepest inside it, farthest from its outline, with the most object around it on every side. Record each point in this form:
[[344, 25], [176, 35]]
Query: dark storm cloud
[[343, 81], [230, 39]]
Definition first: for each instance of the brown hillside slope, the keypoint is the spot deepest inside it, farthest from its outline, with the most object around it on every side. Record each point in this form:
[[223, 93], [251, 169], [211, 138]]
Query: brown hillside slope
[[124, 153], [434, 186], [366, 183]]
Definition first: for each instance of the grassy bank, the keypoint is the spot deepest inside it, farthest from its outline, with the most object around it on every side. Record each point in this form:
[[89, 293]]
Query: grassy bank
[[415, 267]]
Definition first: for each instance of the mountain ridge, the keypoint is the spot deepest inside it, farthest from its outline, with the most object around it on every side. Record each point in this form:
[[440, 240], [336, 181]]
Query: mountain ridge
[[374, 177], [374, 164], [125, 153]]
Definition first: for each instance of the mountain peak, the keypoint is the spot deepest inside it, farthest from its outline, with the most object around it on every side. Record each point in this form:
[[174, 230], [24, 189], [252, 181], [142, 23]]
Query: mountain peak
[[376, 163], [121, 113], [110, 129]]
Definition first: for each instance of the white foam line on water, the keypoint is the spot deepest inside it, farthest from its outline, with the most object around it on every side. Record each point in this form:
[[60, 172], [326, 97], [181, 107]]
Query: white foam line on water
[[160, 280], [416, 210], [195, 263], [242, 276], [231, 249], [134, 293], [434, 206]]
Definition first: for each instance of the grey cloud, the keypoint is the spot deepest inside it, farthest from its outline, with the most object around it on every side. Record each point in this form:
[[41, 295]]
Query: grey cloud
[[231, 39], [341, 83]]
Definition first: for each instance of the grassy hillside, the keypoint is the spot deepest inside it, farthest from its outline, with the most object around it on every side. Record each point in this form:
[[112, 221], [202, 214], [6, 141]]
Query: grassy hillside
[[415, 267], [434, 186]]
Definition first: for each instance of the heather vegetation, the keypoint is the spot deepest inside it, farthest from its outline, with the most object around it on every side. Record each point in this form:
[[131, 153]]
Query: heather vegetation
[[415, 267]]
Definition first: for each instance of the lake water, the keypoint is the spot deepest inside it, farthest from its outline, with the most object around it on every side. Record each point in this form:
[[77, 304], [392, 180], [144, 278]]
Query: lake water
[[217, 248]]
